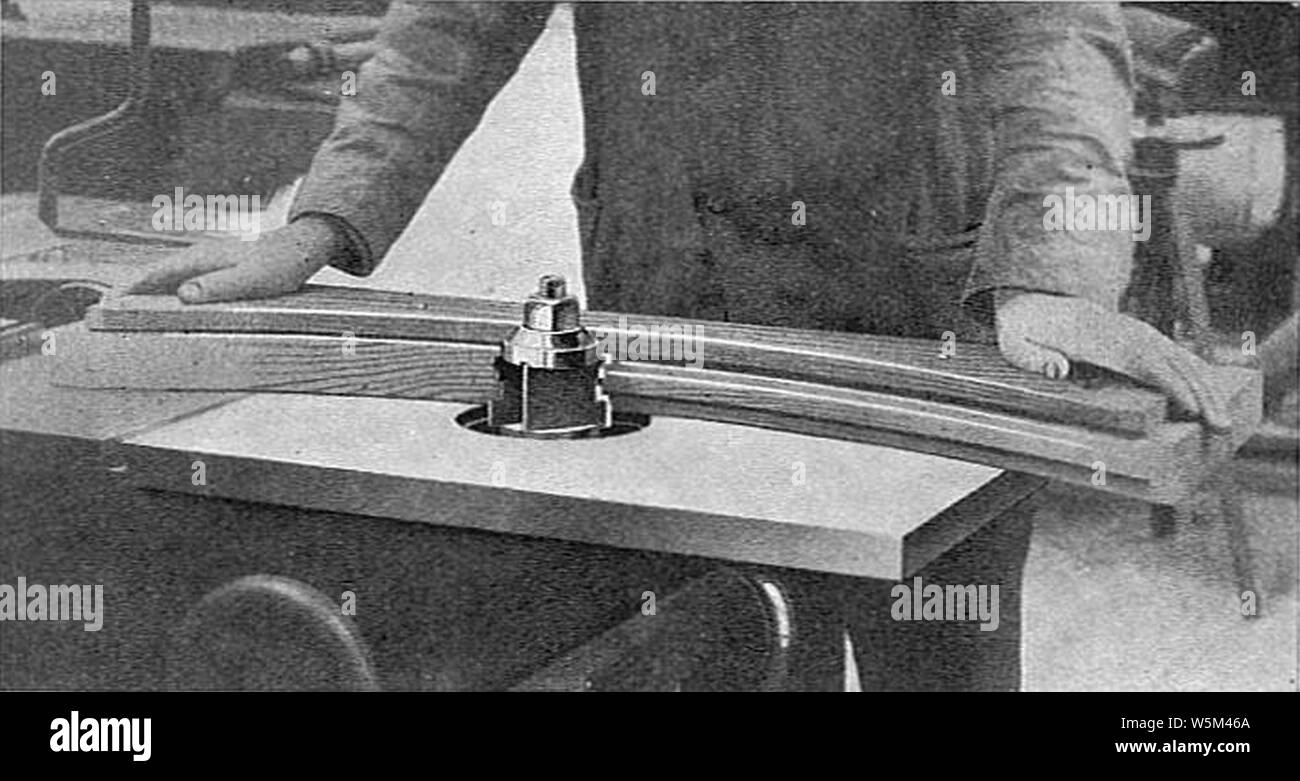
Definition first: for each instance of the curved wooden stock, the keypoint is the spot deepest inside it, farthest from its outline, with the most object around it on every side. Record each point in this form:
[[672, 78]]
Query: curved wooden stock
[[895, 392]]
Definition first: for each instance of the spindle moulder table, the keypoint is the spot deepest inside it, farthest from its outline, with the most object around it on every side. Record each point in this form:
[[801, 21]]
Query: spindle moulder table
[[231, 532]]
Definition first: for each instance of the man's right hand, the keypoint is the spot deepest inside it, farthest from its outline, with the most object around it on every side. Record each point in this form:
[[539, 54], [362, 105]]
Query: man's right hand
[[277, 262]]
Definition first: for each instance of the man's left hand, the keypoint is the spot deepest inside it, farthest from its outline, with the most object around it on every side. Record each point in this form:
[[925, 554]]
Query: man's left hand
[[1044, 333]]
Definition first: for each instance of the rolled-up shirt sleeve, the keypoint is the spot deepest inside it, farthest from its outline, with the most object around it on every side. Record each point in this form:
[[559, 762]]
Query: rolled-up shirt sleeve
[[1058, 79], [436, 68]]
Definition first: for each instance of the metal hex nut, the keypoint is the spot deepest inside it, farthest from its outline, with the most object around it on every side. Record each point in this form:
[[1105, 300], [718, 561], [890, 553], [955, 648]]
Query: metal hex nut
[[552, 314]]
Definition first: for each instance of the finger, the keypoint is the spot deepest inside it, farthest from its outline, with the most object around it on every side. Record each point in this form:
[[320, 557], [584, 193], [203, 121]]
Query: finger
[[1157, 369], [1035, 358], [166, 275], [1184, 377], [247, 280], [1211, 405]]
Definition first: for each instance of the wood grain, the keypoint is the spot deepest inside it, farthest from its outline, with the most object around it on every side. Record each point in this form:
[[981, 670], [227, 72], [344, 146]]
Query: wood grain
[[975, 376], [277, 364]]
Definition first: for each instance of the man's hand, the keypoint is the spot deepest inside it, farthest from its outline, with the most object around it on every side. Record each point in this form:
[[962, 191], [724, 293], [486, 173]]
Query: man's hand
[[1044, 333], [278, 262]]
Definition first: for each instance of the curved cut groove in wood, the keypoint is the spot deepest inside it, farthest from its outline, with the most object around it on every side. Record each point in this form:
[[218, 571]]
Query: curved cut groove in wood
[[975, 376]]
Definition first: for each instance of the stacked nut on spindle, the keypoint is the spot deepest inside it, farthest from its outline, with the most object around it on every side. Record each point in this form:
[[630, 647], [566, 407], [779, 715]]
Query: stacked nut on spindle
[[549, 370]]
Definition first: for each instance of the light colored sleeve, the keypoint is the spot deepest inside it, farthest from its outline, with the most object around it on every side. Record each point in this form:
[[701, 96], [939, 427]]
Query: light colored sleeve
[[417, 99]]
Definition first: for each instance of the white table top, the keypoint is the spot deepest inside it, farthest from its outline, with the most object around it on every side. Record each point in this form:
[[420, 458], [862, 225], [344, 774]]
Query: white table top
[[681, 486]]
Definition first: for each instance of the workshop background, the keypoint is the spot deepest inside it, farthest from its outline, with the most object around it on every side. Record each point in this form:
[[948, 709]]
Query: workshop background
[[1111, 601]]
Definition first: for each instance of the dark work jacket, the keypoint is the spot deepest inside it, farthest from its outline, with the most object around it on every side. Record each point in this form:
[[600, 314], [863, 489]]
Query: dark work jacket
[[912, 199]]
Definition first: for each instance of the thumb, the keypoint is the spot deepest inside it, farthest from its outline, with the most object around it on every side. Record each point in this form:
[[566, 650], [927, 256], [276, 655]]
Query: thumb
[[163, 277], [246, 280], [1034, 358]]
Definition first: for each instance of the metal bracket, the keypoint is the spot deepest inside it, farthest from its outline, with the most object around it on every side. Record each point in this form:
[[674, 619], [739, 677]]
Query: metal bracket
[[50, 174]]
